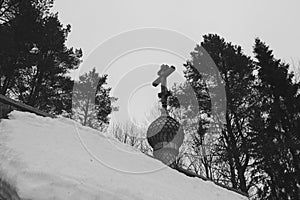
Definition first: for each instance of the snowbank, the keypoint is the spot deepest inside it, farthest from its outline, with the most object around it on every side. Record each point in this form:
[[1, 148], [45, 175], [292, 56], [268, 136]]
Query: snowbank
[[48, 158]]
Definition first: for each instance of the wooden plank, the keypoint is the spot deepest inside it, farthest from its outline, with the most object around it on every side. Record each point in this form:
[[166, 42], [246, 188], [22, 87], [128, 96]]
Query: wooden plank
[[23, 107]]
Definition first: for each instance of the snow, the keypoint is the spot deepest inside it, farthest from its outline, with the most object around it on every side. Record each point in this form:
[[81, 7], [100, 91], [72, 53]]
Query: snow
[[46, 158]]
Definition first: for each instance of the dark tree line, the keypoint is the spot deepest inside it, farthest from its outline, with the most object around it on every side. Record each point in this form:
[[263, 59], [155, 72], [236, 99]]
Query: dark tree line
[[35, 62], [257, 148], [275, 126]]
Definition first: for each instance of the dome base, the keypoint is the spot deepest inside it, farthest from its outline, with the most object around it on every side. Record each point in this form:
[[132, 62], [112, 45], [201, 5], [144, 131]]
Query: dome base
[[166, 155]]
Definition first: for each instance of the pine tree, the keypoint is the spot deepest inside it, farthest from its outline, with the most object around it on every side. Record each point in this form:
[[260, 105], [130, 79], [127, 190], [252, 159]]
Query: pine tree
[[236, 70], [92, 103], [35, 60], [276, 124], [237, 73]]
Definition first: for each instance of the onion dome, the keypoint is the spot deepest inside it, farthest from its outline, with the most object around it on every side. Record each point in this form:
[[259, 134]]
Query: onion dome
[[165, 136]]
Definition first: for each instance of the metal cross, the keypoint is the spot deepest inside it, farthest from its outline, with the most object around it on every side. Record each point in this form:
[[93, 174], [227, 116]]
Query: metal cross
[[163, 73]]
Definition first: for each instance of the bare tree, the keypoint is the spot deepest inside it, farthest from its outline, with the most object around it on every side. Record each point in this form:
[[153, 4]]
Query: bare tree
[[132, 135]]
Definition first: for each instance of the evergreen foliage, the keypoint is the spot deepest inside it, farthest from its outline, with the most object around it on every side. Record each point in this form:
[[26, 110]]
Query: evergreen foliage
[[92, 103], [34, 60], [257, 148], [276, 127]]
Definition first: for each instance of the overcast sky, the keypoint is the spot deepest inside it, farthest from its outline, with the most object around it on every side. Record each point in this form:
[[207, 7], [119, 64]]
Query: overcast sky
[[274, 21], [94, 21]]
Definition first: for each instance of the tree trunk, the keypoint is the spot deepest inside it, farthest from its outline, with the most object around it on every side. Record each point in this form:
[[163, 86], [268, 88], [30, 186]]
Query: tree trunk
[[86, 112], [5, 85], [35, 84], [205, 161], [232, 174]]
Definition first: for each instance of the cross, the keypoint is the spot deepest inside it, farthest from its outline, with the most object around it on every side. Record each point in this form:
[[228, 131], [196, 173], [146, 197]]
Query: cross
[[163, 73]]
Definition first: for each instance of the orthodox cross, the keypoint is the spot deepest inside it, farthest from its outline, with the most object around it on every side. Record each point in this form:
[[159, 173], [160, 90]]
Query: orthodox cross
[[163, 73]]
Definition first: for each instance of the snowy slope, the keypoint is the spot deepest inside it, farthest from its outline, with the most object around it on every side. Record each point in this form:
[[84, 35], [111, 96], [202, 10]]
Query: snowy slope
[[48, 158]]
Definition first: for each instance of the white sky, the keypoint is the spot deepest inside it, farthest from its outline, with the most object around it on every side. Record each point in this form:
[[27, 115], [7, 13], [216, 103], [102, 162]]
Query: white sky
[[94, 21]]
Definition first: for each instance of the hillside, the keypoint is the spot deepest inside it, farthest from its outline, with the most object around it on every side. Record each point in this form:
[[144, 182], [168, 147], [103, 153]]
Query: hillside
[[45, 158]]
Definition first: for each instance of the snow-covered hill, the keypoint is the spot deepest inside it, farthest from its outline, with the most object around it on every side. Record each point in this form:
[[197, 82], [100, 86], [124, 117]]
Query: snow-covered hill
[[48, 158]]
